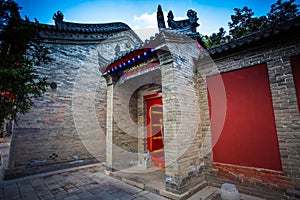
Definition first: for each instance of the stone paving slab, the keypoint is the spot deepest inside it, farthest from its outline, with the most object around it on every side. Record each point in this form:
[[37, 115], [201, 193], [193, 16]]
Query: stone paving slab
[[86, 182]]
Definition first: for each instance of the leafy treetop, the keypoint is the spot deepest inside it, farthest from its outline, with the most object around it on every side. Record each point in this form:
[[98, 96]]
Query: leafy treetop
[[243, 22], [20, 51]]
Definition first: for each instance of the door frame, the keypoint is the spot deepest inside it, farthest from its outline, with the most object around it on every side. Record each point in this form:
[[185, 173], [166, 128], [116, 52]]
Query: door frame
[[157, 161]]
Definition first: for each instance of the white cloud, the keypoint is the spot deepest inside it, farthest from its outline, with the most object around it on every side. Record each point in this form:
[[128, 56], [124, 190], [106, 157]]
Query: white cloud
[[145, 20], [149, 20], [145, 25]]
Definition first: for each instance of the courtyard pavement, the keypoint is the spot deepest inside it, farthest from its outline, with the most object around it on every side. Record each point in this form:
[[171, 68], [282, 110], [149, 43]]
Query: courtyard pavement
[[86, 182]]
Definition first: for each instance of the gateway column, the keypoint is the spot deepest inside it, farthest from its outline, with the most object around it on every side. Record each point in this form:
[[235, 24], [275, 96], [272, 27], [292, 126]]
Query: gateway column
[[109, 122], [182, 138]]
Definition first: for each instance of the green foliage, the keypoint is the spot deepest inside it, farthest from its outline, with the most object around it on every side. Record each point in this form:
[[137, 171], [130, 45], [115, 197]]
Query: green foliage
[[216, 38], [243, 22], [282, 12], [241, 19], [20, 51]]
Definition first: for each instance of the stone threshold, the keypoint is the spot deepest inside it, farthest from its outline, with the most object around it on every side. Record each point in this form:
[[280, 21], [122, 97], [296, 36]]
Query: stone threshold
[[153, 183], [153, 180]]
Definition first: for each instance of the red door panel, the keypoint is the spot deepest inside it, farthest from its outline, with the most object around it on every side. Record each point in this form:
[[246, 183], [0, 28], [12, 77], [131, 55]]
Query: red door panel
[[155, 129]]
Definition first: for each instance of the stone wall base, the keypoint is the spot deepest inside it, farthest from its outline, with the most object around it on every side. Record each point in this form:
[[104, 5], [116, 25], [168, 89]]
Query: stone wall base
[[26, 170], [259, 182]]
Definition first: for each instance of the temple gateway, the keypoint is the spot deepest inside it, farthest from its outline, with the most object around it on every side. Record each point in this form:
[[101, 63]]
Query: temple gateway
[[167, 114]]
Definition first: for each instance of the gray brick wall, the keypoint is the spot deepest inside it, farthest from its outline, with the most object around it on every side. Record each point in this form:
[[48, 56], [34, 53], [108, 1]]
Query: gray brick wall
[[87, 120], [182, 138], [127, 115], [67, 126], [184, 165], [276, 55]]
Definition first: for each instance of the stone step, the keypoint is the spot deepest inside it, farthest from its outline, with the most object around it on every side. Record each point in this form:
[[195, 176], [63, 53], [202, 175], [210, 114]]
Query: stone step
[[158, 162]]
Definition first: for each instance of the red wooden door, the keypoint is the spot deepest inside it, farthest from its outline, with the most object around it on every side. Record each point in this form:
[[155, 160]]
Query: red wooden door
[[155, 128]]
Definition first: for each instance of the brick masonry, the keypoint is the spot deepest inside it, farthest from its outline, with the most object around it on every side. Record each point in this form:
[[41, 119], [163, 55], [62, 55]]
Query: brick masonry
[[183, 71], [90, 119], [181, 116], [67, 126], [126, 116], [182, 138], [187, 135], [265, 183]]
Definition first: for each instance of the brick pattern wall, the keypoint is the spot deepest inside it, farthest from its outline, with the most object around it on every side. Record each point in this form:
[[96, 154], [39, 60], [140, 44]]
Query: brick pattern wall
[[278, 185], [182, 136], [275, 181], [184, 165], [125, 113], [67, 126]]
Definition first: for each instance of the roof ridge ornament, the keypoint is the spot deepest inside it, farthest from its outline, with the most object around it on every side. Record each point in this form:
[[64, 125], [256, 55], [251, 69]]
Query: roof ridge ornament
[[58, 17], [192, 15], [160, 18], [186, 26], [190, 23]]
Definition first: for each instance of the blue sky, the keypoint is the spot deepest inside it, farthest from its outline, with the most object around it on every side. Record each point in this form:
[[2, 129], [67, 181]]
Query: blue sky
[[140, 15]]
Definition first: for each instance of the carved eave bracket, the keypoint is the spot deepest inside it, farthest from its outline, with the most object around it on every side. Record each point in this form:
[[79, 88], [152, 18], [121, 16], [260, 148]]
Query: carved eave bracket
[[111, 79]]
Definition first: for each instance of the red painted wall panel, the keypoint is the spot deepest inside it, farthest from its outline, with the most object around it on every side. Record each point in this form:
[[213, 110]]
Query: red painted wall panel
[[295, 63], [242, 119]]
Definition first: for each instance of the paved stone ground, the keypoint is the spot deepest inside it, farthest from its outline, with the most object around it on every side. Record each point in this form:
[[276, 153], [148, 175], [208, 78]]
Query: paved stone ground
[[82, 183], [87, 182]]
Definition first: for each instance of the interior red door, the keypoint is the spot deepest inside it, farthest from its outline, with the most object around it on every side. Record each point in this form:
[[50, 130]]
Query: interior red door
[[155, 129]]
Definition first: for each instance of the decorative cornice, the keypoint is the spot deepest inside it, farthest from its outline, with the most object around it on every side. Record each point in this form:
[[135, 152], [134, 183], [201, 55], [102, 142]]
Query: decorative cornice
[[87, 34], [60, 24], [146, 50], [74, 33], [92, 28]]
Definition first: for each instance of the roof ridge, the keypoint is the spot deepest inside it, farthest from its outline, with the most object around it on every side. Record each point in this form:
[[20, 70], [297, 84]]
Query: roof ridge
[[97, 27], [257, 35]]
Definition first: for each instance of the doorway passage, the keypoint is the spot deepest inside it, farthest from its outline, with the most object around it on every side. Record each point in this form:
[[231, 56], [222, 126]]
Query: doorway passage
[[155, 129]]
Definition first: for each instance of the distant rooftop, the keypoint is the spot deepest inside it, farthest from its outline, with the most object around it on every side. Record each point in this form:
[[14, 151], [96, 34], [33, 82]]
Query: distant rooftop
[[92, 28]]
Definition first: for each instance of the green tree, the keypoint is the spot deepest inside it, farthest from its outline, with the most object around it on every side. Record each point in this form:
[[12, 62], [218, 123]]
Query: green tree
[[20, 51], [240, 22], [216, 38], [282, 12], [244, 22]]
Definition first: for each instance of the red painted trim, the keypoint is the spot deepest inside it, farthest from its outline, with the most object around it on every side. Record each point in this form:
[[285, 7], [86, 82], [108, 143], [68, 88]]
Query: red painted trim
[[153, 96], [130, 56], [138, 70]]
